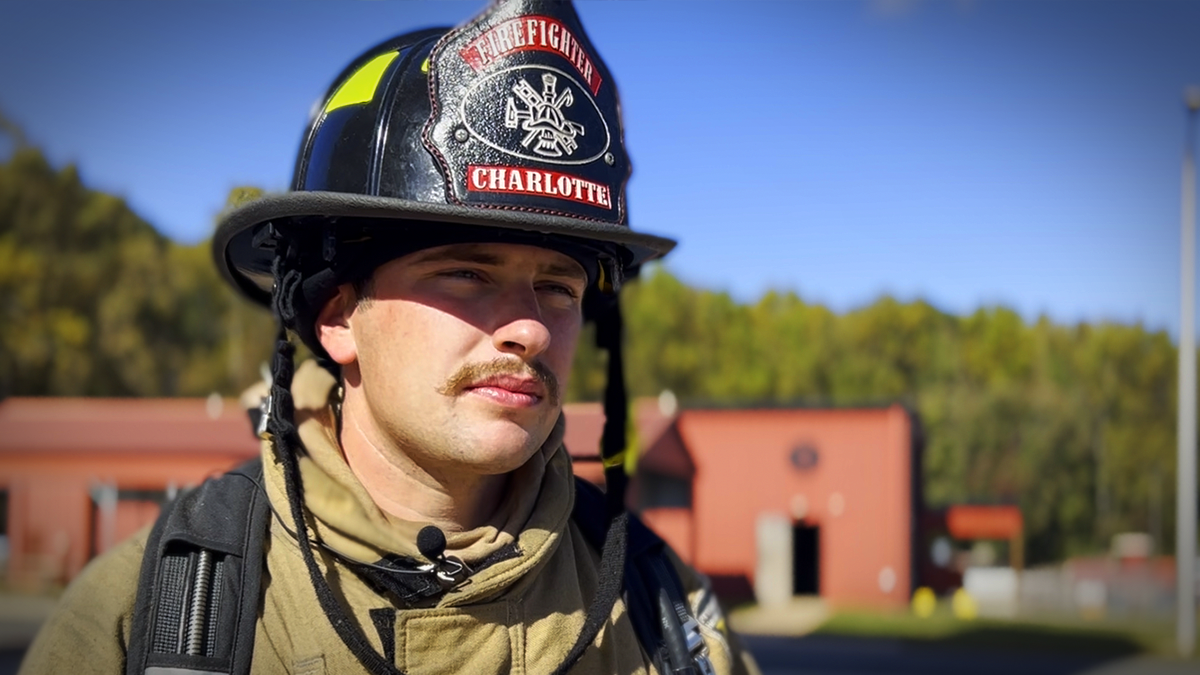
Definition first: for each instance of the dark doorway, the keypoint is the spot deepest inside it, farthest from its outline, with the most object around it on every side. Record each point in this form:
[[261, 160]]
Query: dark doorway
[[806, 559]]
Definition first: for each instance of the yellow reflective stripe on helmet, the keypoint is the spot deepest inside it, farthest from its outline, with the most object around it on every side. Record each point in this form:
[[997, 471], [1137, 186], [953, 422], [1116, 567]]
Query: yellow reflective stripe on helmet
[[602, 280], [360, 88]]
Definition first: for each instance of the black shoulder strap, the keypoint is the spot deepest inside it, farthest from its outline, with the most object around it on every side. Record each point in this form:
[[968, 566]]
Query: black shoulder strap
[[647, 568], [201, 580]]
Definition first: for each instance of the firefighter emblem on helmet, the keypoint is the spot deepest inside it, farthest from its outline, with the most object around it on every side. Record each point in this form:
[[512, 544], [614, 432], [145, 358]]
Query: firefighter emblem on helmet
[[550, 133], [533, 112]]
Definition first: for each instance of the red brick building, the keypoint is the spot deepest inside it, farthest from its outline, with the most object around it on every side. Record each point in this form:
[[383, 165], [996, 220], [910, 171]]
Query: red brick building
[[78, 475], [844, 481]]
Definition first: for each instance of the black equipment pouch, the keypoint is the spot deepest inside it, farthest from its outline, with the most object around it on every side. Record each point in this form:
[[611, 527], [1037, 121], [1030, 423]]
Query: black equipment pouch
[[200, 587], [201, 580]]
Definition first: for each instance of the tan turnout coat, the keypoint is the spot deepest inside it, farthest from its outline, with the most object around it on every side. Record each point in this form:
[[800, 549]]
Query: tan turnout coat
[[520, 615]]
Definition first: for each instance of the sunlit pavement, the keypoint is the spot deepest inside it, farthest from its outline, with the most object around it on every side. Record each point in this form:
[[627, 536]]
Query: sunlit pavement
[[821, 654], [800, 616]]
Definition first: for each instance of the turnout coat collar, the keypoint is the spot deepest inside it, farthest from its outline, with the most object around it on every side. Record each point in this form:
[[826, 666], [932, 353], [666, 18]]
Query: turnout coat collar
[[519, 615], [524, 531]]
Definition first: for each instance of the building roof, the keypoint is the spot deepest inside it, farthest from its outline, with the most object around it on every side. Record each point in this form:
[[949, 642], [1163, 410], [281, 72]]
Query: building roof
[[216, 425], [585, 426], [150, 425]]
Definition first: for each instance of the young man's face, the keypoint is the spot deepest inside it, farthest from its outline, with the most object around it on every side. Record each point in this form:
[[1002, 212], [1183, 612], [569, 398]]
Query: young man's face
[[462, 352]]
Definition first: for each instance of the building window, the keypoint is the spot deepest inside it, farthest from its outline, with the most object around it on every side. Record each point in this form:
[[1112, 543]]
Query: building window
[[658, 491], [155, 496]]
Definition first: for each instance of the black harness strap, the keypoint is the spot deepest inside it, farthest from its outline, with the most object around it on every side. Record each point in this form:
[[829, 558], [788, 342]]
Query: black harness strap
[[201, 580], [647, 568]]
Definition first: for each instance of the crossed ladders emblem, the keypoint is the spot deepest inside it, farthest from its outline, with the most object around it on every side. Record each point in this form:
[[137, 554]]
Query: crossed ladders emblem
[[551, 134]]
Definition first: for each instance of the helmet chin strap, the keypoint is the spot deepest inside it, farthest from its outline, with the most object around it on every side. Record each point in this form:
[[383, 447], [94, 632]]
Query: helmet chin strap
[[286, 443], [612, 452], [609, 334]]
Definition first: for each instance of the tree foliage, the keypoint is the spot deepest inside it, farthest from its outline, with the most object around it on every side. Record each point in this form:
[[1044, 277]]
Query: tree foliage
[[95, 302], [1074, 423]]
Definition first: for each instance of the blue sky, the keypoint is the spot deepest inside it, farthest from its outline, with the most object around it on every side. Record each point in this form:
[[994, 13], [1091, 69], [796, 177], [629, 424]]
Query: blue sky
[[968, 153]]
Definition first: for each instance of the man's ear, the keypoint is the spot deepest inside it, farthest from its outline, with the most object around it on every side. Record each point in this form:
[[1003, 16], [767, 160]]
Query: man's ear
[[333, 326]]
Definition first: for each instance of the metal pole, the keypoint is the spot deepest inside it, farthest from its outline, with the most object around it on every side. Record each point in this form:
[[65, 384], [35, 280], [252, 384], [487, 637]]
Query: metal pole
[[1185, 546]]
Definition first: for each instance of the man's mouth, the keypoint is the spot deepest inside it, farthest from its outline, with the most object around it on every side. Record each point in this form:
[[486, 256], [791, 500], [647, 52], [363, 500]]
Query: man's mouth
[[509, 390], [506, 382]]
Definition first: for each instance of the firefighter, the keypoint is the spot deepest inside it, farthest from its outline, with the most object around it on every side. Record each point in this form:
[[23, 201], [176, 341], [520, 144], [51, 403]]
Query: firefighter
[[457, 212]]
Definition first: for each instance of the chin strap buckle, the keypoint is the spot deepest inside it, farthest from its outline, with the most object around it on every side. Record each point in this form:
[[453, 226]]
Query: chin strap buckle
[[264, 416]]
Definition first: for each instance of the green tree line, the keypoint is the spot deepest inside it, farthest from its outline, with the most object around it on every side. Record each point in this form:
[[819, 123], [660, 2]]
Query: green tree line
[[1074, 423]]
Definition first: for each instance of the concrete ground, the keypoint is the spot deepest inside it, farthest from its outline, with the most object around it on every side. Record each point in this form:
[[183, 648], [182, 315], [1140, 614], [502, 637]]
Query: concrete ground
[[20, 618], [844, 655], [800, 616]]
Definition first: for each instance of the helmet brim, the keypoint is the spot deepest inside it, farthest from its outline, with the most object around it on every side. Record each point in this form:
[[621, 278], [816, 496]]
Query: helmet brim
[[248, 267]]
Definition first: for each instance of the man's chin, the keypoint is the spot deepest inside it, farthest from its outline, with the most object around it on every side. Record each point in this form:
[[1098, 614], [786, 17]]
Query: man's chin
[[503, 445]]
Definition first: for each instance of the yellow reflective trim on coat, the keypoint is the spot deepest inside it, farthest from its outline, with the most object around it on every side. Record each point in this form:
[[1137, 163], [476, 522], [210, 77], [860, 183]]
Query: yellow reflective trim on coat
[[616, 460], [361, 86]]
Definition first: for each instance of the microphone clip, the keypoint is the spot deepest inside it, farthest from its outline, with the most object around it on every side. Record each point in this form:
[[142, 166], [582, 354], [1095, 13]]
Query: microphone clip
[[448, 570]]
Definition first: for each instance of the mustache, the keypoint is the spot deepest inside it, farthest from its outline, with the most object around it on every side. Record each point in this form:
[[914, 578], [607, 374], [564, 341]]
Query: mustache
[[473, 372]]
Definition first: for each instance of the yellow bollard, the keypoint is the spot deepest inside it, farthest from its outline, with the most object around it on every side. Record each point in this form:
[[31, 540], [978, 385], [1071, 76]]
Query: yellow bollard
[[924, 602], [964, 605]]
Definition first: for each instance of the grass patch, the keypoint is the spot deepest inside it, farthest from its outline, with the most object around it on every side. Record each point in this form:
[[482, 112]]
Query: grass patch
[[1065, 636]]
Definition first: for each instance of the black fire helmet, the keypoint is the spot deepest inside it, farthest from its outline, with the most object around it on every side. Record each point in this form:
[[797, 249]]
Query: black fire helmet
[[504, 129], [507, 128]]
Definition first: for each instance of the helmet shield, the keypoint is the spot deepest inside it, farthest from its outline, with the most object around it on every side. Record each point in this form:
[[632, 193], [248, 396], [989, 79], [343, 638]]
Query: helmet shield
[[526, 116]]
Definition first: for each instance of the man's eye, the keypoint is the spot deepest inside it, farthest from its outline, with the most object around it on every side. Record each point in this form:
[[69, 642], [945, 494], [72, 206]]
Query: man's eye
[[561, 289], [462, 274]]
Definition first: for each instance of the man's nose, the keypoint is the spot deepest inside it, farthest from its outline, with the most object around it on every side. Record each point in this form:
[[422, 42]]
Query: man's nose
[[522, 331]]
